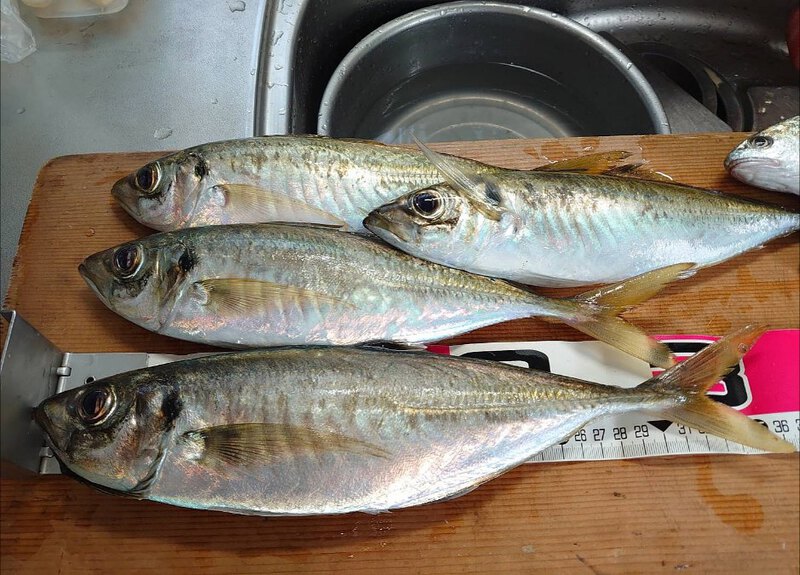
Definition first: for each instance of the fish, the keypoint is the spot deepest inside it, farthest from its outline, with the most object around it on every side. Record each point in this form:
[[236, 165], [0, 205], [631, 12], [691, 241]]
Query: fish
[[769, 159], [309, 431], [298, 178], [561, 228], [256, 285]]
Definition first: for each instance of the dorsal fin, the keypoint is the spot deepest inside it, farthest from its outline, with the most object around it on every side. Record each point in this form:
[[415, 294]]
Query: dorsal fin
[[603, 164]]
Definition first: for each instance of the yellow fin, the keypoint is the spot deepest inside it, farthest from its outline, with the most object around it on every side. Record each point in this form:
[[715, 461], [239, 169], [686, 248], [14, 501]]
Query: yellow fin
[[690, 380], [626, 337], [248, 444], [638, 171], [598, 163], [603, 163], [246, 296], [598, 310], [635, 290], [252, 204]]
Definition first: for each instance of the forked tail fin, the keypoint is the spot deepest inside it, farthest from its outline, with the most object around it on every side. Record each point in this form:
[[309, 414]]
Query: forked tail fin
[[689, 380], [598, 309]]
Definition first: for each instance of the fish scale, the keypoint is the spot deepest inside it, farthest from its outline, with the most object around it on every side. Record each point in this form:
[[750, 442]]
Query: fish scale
[[251, 285], [563, 228], [300, 431], [343, 179]]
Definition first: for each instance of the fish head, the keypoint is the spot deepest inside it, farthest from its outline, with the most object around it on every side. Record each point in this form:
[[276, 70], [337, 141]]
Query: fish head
[[768, 159], [420, 221], [162, 194], [140, 280], [109, 433]]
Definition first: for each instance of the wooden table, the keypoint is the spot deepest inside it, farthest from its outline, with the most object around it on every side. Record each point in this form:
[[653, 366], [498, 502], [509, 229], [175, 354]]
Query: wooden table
[[695, 514]]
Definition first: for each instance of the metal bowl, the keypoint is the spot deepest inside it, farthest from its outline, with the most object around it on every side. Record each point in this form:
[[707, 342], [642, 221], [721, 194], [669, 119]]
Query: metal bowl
[[486, 70]]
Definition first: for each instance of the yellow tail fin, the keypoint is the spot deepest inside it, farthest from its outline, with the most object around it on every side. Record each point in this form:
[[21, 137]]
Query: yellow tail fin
[[598, 310], [690, 380]]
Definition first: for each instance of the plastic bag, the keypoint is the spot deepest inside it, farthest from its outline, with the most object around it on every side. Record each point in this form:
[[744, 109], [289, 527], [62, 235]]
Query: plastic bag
[[16, 39]]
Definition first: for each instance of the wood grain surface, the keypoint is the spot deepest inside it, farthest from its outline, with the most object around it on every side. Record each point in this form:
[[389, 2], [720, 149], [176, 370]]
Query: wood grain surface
[[692, 514]]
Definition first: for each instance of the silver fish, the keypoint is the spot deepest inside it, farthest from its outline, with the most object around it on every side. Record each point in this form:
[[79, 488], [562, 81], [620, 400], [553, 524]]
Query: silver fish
[[769, 159], [566, 229], [305, 431], [312, 179], [253, 285]]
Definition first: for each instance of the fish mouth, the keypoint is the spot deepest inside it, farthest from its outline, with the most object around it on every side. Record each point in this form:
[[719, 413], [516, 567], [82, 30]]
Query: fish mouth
[[739, 163], [41, 418], [377, 223], [83, 269], [124, 198], [48, 427]]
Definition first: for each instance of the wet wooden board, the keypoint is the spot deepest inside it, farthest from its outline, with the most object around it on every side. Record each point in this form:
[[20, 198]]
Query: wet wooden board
[[693, 514]]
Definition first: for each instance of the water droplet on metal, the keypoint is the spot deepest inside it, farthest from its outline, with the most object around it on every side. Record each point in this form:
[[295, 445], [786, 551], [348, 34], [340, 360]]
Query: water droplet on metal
[[20, 110], [236, 5], [162, 133], [278, 67]]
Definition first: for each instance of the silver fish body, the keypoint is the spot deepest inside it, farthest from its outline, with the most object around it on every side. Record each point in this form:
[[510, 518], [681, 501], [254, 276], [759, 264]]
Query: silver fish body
[[334, 430], [252, 285], [566, 229], [310, 179], [769, 159]]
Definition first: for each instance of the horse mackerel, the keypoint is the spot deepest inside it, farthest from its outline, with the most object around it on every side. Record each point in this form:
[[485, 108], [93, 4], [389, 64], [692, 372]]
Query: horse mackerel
[[304, 431]]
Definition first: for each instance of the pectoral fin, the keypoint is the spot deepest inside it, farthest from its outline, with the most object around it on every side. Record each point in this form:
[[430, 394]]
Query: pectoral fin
[[255, 444], [246, 296], [248, 203], [479, 189]]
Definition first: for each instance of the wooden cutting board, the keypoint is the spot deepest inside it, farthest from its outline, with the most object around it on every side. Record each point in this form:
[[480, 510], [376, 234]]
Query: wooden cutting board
[[693, 514]]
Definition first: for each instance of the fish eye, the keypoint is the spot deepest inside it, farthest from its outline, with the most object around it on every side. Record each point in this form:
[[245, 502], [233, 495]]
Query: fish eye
[[127, 260], [761, 141], [147, 178], [427, 204], [96, 405]]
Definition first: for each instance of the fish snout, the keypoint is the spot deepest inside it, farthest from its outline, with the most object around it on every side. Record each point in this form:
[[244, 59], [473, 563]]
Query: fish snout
[[50, 416], [381, 222], [94, 274], [125, 195]]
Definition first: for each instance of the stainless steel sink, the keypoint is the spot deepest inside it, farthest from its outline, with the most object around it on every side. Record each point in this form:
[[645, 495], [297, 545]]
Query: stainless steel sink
[[716, 65]]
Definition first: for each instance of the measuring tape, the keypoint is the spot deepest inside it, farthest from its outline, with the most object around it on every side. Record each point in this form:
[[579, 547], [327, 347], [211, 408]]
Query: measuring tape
[[764, 386]]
